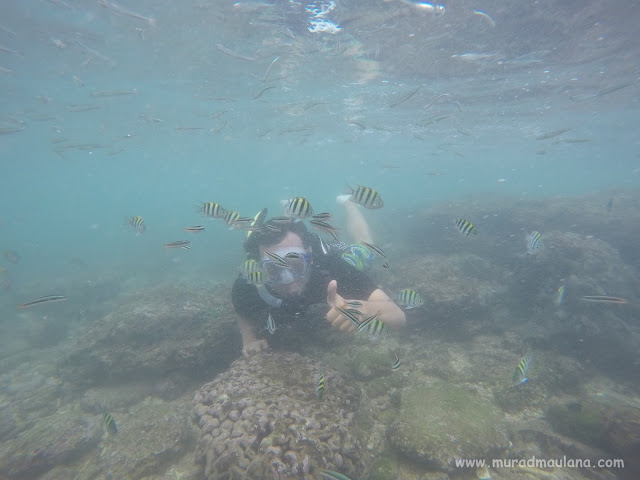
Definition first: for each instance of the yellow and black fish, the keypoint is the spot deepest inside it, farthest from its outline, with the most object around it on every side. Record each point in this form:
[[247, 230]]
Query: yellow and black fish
[[297, 207], [258, 220], [255, 278], [250, 266], [465, 227], [372, 325], [534, 242], [408, 298], [365, 196], [231, 216], [320, 387], [110, 423], [520, 374], [213, 209], [137, 223]]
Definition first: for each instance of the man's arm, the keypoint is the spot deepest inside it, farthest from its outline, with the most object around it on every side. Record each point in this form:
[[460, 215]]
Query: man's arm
[[390, 314], [250, 344]]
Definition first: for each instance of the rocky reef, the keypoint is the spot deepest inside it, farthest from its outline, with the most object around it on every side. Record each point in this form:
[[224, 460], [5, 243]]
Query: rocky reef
[[439, 423], [156, 332], [263, 419], [141, 355], [56, 439]]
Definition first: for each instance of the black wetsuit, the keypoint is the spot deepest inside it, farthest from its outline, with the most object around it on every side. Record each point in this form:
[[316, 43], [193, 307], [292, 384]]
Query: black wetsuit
[[352, 284]]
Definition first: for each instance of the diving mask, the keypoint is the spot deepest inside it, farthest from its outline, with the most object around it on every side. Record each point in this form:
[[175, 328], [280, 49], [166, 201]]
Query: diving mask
[[298, 263]]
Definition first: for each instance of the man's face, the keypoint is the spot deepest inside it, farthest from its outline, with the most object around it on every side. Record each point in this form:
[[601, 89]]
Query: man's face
[[287, 282]]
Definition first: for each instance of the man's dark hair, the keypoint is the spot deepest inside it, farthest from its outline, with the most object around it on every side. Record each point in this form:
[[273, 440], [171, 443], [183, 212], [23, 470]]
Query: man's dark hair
[[271, 236]]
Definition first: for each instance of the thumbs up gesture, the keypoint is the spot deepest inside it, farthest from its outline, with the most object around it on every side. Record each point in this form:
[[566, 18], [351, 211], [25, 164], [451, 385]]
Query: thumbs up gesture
[[335, 318]]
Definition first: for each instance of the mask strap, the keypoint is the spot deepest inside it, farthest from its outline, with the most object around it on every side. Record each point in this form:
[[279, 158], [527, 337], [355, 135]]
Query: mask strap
[[268, 297]]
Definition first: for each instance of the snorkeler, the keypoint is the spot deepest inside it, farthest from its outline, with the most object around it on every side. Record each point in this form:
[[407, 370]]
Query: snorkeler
[[297, 270]]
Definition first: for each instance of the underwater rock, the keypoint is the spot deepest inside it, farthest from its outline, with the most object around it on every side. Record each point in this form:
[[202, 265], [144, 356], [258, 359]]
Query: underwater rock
[[536, 440], [8, 423], [440, 422], [28, 392], [54, 440], [466, 280], [152, 434], [262, 419], [155, 333], [623, 435], [607, 423], [581, 420]]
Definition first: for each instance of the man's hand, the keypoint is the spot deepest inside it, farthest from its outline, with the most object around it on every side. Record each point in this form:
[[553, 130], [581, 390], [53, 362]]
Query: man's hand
[[335, 318], [254, 346]]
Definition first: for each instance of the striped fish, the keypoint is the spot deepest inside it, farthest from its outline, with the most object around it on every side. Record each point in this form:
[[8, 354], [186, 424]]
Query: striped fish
[[324, 246], [534, 243], [520, 373], [297, 207], [179, 244], [350, 314], [320, 387], [277, 259], [41, 300], [323, 216], [374, 248], [331, 475], [271, 325], [243, 223], [280, 220], [558, 298], [465, 227], [213, 210], [365, 196], [255, 278], [231, 216], [110, 423], [396, 365], [258, 220], [249, 266], [372, 325], [408, 298], [326, 228], [194, 228], [603, 299], [137, 223]]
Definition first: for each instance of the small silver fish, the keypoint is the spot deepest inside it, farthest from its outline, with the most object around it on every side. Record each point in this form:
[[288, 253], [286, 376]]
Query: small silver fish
[[271, 325], [534, 243]]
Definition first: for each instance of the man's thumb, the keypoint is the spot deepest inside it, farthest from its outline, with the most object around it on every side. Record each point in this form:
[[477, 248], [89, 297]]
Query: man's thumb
[[332, 293]]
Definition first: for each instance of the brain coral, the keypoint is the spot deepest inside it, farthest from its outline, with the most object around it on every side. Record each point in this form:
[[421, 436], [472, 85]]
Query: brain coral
[[263, 419]]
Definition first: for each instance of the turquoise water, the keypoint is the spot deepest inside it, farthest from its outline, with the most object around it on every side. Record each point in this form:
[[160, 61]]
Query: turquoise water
[[110, 110], [61, 198]]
